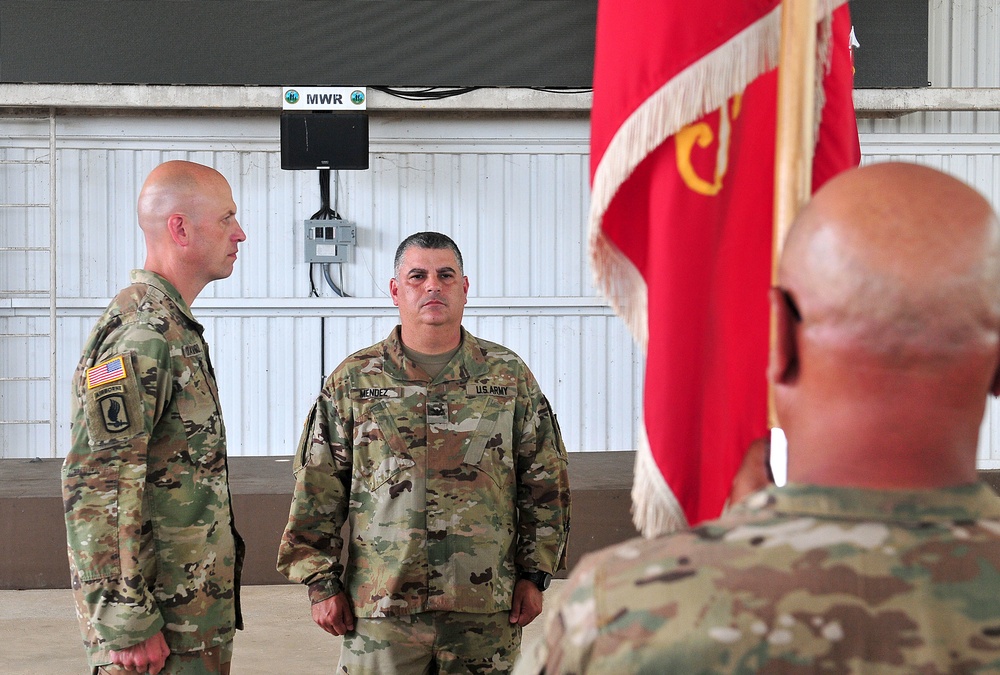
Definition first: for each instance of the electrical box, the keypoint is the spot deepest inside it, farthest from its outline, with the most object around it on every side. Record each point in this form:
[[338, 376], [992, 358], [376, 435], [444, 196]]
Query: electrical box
[[329, 241]]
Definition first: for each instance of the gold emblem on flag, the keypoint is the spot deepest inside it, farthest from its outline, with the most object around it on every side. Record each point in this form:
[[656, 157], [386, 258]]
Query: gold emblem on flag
[[702, 134]]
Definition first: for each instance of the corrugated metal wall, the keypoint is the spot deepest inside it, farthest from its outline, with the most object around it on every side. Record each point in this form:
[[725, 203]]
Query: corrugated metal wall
[[513, 194], [512, 191]]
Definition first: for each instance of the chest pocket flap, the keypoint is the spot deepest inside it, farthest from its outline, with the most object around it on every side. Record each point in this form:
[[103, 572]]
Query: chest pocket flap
[[379, 460]]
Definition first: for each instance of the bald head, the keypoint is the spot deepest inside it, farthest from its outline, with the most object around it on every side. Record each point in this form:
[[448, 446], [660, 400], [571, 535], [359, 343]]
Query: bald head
[[899, 260], [175, 186], [188, 216], [888, 330]]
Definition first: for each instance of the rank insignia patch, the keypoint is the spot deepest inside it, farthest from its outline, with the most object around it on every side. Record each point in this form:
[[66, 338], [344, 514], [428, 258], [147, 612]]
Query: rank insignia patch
[[111, 370]]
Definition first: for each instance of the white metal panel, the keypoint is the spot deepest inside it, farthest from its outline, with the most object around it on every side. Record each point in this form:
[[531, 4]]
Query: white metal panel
[[963, 51], [513, 193]]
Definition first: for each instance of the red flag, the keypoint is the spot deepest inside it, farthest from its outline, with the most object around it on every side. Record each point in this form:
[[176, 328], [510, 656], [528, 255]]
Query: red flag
[[682, 172]]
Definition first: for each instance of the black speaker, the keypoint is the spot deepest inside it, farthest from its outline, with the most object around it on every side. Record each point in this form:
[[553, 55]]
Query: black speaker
[[322, 140], [893, 35]]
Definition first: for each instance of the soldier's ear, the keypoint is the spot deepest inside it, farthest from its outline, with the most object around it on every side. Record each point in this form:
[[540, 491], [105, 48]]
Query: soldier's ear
[[783, 364], [995, 385], [177, 226]]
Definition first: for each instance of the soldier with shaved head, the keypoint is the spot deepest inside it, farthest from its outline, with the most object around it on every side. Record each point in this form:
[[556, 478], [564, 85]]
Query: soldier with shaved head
[[153, 549], [882, 553]]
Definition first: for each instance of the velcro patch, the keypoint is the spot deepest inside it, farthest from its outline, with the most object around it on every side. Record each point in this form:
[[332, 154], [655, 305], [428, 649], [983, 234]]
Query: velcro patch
[[111, 370], [114, 407], [376, 392], [473, 389], [114, 412]]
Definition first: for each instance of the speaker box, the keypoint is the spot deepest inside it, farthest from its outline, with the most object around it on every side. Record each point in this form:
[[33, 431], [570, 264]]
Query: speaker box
[[894, 41], [321, 140]]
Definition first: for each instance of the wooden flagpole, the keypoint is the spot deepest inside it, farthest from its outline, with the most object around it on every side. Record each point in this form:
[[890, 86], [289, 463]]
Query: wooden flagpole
[[796, 123]]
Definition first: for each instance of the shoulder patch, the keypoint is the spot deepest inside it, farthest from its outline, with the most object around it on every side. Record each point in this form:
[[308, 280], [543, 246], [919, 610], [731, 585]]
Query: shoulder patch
[[111, 370], [114, 410], [112, 401]]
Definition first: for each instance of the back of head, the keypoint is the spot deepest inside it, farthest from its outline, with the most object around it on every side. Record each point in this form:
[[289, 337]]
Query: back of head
[[893, 271]]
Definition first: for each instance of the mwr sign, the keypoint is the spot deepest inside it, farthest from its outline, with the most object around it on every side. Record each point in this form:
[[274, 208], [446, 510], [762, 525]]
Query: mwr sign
[[324, 98]]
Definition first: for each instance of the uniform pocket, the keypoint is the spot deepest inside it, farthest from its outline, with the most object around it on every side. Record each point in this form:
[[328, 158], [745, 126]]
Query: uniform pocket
[[383, 455], [491, 446], [197, 404], [90, 497]]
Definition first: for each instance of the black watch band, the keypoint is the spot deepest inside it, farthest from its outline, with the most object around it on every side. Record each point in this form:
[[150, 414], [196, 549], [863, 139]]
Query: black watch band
[[537, 577]]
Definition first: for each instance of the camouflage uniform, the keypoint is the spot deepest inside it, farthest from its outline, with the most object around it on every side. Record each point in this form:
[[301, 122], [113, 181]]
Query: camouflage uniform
[[801, 579], [446, 486], [152, 545]]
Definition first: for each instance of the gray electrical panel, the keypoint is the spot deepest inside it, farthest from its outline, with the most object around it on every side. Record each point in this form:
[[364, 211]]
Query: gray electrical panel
[[329, 241]]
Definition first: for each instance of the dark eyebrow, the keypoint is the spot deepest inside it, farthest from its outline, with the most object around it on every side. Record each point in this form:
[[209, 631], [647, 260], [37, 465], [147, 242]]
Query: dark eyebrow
[[439, 270]]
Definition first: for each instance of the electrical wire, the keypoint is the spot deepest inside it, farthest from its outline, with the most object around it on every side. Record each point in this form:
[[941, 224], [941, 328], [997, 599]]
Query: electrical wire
[[438, 93], [563, 90], [313, 291], [330, 282], [426, 93], [326, 213]]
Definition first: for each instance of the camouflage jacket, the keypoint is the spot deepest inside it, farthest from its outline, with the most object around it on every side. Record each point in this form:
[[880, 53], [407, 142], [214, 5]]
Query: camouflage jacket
[[801, 579], [152, 545], [446, 486]]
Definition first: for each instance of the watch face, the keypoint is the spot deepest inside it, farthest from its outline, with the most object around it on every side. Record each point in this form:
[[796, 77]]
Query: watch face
[[540, 579]]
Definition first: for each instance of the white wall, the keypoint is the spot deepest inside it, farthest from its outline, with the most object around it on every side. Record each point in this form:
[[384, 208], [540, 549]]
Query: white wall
[[513, 193], [512, 189]]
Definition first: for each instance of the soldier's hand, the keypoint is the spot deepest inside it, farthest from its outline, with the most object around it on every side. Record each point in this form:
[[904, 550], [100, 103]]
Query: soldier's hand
[[334, 614], [527, 603], [149, 656], [754, 473]]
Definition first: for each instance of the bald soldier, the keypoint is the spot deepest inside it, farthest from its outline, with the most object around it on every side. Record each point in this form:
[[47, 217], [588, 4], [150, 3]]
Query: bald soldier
[[882, 553], [154, 554]]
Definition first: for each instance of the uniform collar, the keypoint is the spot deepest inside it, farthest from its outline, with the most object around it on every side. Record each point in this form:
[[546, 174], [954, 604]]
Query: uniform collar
[[976, 501], [467, 362], [161, 284]]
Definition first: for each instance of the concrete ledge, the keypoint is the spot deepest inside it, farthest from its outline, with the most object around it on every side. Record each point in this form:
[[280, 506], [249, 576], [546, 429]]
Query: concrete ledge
[[500, 100], [495, 100], [33, 555]]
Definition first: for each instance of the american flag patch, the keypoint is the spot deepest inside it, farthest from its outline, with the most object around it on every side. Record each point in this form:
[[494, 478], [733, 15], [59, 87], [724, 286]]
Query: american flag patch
[[109, 371]]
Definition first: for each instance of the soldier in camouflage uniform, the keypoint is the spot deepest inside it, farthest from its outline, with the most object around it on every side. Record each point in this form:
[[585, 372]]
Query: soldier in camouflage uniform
[[882, 554], [153, 550], [444, 460]]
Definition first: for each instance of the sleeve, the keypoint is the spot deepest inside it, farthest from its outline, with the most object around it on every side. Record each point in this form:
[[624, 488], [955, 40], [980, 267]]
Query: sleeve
[[543, 498], [571, 627], [312, 544], [119, 397]]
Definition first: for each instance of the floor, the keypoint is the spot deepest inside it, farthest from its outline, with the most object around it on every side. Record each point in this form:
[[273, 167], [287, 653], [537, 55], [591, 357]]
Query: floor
[[40, 635]]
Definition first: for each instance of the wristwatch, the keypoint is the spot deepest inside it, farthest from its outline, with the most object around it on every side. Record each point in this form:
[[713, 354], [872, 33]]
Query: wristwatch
[[537, 577]]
